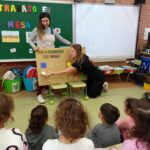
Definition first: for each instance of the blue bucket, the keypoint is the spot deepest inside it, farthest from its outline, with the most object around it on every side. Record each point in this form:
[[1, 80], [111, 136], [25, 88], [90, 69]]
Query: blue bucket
[[30, 84]]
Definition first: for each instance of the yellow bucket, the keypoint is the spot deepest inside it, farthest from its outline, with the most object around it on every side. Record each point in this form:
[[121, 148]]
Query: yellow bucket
[[146, 86]]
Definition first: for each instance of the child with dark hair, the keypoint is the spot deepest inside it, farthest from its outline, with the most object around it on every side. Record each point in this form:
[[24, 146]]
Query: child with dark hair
[[106, 133], [139, 137], [38, 131], [72, 121], [10, 139], [127, 123]]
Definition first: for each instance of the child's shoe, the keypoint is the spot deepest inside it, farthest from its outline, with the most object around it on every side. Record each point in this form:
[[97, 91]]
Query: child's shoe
[[40, 99], [105, 86]]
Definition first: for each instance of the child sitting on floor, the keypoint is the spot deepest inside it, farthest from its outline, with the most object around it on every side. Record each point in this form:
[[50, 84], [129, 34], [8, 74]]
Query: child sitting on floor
[[38, 131], [106, 133], [139, 137], [127, 123], [10, 139]]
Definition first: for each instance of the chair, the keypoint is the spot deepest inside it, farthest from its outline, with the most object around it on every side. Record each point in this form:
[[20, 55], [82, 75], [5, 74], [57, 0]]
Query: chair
[[57, 87], [118, 71], [136, 67], [137, 62], [78, 84]]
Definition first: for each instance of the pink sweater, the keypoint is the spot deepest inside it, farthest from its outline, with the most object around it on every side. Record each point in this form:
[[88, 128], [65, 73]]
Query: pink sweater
[[125, 125], [132, 144]]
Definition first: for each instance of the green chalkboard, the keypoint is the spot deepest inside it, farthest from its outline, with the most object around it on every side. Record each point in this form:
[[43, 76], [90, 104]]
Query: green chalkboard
[[17, 20]]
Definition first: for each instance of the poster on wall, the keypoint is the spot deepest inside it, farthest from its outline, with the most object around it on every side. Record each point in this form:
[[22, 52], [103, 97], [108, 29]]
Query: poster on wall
[[10, 36]]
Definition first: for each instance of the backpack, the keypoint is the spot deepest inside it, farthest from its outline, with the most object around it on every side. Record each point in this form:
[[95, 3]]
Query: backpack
[[9, 75], [17, 72], [30, 72]]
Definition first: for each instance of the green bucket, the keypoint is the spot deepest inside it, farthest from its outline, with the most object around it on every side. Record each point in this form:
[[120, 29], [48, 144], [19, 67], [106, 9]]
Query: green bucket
[[12, 86]]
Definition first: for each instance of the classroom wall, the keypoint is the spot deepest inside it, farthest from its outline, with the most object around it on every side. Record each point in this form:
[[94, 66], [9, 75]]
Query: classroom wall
[[129, 2], [144, 22], [102, 1], [117, 1]]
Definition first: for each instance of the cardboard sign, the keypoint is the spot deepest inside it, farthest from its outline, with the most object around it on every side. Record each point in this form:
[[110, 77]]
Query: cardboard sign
[[53, 60]]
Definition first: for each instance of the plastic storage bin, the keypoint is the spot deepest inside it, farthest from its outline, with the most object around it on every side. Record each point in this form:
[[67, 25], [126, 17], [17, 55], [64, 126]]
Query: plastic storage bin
[[12, 86], [30, 84], [145, 66]]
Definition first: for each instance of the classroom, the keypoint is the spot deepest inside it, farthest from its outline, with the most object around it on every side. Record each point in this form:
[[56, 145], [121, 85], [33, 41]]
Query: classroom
[[75, 74]]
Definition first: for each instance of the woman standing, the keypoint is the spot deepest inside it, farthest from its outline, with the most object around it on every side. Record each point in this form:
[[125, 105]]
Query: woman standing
[[45, 37]]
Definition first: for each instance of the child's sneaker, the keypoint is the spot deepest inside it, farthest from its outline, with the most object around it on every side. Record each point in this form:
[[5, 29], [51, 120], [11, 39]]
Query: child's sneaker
[[105, 86], [40, 99]]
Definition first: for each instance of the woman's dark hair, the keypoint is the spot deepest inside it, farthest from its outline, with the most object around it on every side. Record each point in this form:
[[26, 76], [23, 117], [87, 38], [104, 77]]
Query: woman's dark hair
[[38, 119], [6, 107], [40, 28], [71, 119], [130, 105], [142, 122], [110, 113], [43, 15]]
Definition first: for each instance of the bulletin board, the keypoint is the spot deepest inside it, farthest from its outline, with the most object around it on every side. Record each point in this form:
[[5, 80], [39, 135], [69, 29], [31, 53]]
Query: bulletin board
[[54, 60], [18, 20]]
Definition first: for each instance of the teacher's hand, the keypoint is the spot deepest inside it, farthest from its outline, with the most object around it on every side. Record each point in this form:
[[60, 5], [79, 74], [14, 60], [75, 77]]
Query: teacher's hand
[[44, 74], [37, 49]]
